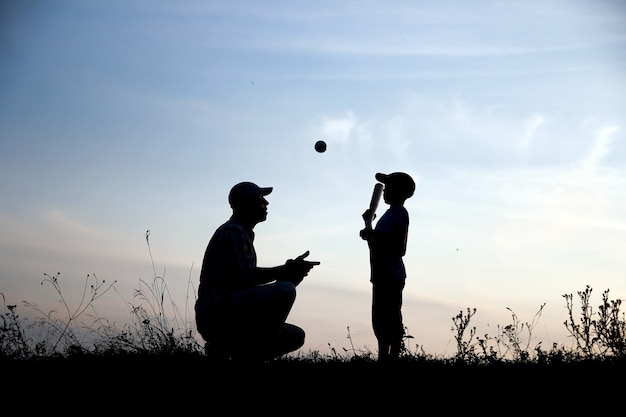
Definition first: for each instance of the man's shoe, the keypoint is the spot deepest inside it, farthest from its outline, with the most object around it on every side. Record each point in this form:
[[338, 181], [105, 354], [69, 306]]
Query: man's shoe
[[214, 353]]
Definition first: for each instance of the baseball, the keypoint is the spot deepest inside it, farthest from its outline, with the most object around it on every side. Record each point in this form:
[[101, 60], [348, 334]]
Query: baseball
[[320, 146]]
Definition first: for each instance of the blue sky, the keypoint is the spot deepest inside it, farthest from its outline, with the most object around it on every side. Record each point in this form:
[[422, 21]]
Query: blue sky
[[119, 117]]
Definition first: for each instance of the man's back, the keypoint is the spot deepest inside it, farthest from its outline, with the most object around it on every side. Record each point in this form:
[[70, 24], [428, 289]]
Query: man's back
[[228, 261]]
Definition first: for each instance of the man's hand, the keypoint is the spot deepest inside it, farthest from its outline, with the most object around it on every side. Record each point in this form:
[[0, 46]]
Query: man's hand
[[298, 268]]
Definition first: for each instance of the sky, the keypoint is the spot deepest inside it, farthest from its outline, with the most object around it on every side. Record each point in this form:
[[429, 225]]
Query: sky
[[118, 118]]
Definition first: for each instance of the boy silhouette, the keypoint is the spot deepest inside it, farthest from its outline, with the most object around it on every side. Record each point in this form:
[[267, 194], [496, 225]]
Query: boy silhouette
[[387, 243]]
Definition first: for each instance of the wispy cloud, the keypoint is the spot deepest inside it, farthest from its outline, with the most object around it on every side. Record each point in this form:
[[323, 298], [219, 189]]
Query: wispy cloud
[[600, 147], [531, 126], [345, 129]]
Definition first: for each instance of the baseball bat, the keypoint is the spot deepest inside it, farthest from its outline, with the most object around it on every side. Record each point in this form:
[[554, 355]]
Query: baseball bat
[[376, 193]]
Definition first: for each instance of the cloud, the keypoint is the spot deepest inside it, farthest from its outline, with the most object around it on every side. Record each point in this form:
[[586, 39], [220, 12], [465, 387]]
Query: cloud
[[600, 148], [345, 129], [339, 129], [531, 126], [57, 231], [59, 220], [399, 141]]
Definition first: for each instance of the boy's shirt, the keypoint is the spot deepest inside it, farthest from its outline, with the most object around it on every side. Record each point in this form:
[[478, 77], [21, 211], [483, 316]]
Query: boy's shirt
[[388, 245]]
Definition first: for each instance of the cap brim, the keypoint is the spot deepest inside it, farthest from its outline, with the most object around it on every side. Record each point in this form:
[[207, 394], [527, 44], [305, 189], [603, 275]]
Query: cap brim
[[265, 190], [381, 177]]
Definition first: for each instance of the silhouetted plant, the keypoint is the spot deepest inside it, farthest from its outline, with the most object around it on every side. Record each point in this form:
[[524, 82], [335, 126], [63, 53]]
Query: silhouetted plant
[[582, 332], [488, 352], [354, 352], [508, 344], [510, 336], [465, 348], [156, 329], [611, 325], [152, 330], [58, 336], [607, 335], [13, 341], [405, 349]]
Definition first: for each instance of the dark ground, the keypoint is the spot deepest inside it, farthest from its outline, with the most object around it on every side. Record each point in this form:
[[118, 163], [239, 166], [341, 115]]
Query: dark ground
[[129, 385]]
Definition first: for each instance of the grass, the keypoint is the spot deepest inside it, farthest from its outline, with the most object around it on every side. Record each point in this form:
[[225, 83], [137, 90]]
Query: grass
[[159, 349]]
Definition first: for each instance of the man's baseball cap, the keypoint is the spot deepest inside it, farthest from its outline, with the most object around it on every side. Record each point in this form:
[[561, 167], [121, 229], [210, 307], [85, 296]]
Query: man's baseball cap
[[402, 180], [245, 192]]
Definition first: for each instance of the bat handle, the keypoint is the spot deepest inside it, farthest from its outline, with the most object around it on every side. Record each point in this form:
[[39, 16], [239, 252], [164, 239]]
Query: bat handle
[[368, 221]]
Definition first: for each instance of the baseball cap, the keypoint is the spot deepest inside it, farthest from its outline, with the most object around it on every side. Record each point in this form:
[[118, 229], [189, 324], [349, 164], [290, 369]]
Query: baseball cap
[[402, 180], [245, 191]]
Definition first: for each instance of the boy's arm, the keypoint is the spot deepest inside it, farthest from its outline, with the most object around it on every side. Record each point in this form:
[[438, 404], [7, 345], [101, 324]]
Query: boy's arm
[[368, 231]]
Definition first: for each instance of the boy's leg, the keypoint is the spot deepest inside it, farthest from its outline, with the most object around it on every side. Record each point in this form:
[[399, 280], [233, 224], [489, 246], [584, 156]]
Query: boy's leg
[[387, 319], [396, 323], [396, 348], [383, 350]]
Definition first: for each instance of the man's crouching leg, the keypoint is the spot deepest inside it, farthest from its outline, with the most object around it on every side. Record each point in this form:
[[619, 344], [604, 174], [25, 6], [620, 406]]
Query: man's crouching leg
[[290, 339]]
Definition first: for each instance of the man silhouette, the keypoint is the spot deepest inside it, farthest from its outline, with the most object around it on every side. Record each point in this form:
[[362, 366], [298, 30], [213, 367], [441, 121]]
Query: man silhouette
[[241, 309]]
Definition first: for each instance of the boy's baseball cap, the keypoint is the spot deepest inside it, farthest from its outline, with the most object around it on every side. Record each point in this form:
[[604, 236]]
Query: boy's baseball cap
[[246, 191], [401, 180]]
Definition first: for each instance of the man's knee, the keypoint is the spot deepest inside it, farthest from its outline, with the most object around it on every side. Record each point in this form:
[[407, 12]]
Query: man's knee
[[286, 291], [292, 337], [299, 337]]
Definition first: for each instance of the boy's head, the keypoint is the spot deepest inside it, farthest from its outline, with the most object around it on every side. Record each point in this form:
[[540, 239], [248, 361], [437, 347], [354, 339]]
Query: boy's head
[[399, 183]]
